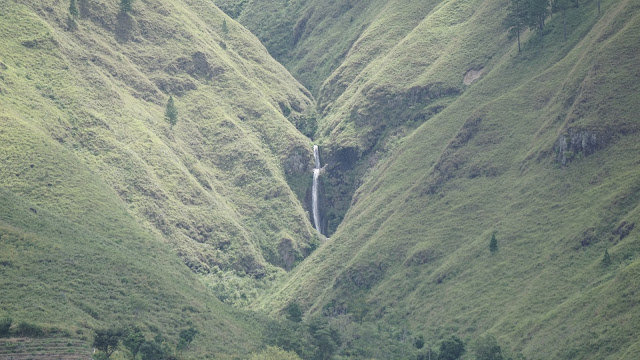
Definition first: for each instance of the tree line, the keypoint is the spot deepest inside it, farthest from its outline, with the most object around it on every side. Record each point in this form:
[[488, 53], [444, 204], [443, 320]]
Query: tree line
[[532, 14]]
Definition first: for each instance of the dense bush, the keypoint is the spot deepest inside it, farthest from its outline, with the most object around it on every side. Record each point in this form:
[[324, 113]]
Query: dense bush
[[294, 312], [451, 349], [186, 337], [107, 340], [5, 324], [29, 330], [487, 348]]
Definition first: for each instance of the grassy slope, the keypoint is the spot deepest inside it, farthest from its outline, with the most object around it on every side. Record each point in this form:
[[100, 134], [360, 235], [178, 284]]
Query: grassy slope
[[78, 261], [121, 201], [413, 248], [215, 185]]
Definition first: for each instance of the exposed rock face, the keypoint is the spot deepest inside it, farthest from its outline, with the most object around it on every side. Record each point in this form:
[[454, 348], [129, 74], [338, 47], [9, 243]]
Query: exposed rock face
[[288, 253], [579, 142], [198, 66], [299, 161], [472, 75]]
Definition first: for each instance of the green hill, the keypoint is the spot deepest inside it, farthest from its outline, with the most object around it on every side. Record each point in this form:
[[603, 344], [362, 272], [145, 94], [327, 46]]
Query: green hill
[[539, 149], [103, 202]]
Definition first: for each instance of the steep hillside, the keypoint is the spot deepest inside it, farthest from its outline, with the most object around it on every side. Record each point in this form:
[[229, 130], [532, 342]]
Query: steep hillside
[[109, 215], [469, 189], [379, 69], [540, 150], [217, 186]]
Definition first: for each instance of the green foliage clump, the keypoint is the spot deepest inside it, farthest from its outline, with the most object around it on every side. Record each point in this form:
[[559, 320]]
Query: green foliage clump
[[156, 350], [171, 112], [225, 27], [126, 6], [516, 19], [294, 312], [306, 123], [5, 325], [133, 340], [73, 8], [27, 329], [487, 348], [186, 337], [419, 342], [451, 349], [107, 340], [274, 353], [325, 338]]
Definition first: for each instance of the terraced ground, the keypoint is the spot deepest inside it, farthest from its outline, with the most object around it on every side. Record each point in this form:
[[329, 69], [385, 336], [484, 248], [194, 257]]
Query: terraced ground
[[50, 348]]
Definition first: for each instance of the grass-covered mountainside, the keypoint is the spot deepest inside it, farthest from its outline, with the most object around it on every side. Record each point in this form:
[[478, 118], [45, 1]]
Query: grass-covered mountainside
[[449, 136], [110, 215], [473, 193], [217, 186]]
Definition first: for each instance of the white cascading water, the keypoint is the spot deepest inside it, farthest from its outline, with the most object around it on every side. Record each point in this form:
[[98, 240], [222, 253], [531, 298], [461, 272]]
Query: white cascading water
[[314, 194]]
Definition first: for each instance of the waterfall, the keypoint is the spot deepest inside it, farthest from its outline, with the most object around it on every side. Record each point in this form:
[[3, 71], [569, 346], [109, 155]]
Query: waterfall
[[314, 194]]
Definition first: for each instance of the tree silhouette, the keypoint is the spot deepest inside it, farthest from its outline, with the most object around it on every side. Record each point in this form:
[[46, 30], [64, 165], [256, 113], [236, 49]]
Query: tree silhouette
[[73, 9], [171, 112], [493, 244], [606, 259]]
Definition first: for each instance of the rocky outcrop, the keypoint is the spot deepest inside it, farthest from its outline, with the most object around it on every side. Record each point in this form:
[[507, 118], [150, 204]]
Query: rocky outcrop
[[198, 66], [577, 142]]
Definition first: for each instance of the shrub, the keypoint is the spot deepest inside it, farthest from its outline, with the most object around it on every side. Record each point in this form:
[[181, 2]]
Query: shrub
[[151, 350], [487, 348], [29, 330], [294, 313], [126, 6], [73, 8], [186, 337], [5, 324], [106, 340], [451, 349], [133, 339]]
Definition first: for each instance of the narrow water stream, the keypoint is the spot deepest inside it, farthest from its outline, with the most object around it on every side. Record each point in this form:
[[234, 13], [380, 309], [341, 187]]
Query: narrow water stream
[[314, 195]]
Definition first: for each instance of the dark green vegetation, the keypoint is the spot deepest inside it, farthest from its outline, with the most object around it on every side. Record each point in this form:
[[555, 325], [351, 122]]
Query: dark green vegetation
[[171, 112], [481, 185]]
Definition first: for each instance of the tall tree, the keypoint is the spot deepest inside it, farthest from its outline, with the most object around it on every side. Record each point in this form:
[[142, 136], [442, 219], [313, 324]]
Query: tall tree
[[225, 27], [171, 112], [73, 8], [493, 244], [106, 340], [451, 349], [562, 5], [516, 20], [537, 11], [133, 339]]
